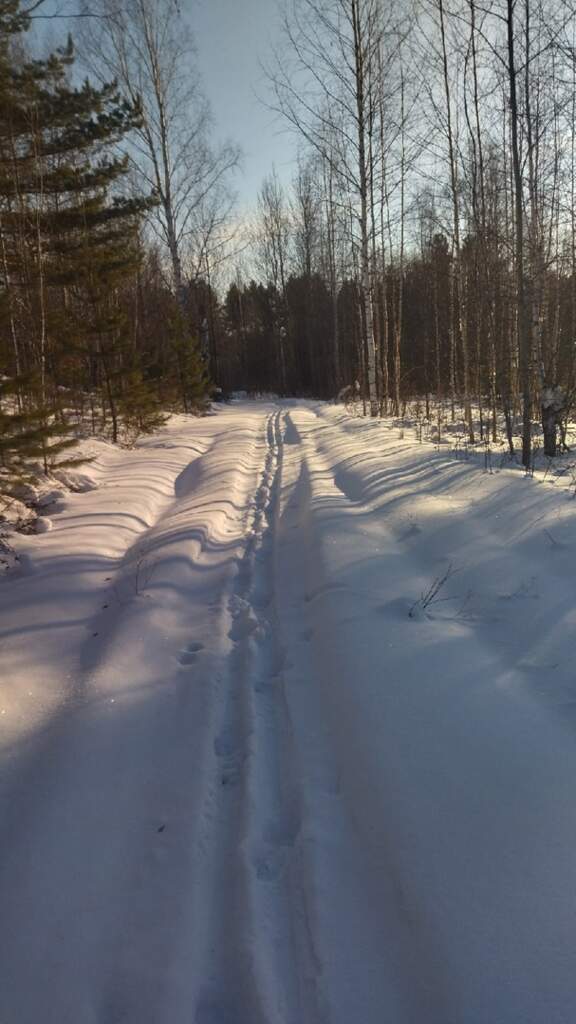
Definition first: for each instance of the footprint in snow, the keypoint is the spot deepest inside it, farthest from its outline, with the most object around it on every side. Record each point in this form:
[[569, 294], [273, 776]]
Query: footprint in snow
[[413, 530], [269, 863], [243, 626], [226, 744], [188, 655], [231, 776]]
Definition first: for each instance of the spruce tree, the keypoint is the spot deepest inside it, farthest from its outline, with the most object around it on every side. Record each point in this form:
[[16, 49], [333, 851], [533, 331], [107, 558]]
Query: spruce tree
[[192, 369], [68, 241]]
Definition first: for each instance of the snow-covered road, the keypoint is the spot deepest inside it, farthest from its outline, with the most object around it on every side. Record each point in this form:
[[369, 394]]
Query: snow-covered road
[[248, 778]]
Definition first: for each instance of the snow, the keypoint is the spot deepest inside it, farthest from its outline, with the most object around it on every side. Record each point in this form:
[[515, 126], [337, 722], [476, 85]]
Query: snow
[[288, 734], [8, 557], [42, 524]]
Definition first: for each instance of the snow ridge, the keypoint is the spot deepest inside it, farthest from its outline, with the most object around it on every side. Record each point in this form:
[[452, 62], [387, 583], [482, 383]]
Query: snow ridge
[[241, 784]]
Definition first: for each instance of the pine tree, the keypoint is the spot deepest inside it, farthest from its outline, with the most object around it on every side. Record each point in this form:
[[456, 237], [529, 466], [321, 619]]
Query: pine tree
[[31, 435], [68, 242], [192, 372]]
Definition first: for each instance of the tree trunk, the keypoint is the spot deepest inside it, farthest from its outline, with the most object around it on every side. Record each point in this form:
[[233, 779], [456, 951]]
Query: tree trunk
[[522, 300], [365, 276]]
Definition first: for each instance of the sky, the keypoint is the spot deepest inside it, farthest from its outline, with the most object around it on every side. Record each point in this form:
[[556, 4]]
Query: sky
[[233, 38]]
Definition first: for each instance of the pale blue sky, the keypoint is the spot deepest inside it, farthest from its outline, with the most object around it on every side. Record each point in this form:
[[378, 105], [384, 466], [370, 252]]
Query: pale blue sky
[[232, 37]]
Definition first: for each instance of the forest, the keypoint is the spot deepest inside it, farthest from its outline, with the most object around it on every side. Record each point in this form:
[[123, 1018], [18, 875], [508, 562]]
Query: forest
[[423, 251], [287, 507]]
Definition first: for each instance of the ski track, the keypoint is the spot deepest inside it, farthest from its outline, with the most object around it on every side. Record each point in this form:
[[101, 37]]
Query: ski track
[[266, 793], [258, 968]]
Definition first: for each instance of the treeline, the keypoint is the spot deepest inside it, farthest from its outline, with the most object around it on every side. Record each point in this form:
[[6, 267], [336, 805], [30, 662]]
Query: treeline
[[428, 244], [101, 308], [308, 337], [426, 248]]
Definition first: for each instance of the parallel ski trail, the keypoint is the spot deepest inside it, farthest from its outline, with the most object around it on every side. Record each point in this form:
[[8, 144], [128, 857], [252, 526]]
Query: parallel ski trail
[[259, 970], [277, 797]]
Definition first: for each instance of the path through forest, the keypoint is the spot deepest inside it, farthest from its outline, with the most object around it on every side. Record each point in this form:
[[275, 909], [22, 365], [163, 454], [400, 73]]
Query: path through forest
[[256, 771]]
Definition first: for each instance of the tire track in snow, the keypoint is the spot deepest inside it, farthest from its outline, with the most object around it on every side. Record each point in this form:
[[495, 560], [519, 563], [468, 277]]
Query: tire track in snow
[[260, 966]]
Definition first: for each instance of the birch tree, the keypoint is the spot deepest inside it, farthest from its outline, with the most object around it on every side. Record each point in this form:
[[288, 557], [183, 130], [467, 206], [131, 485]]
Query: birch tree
[[148, 49], [326, 83]]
